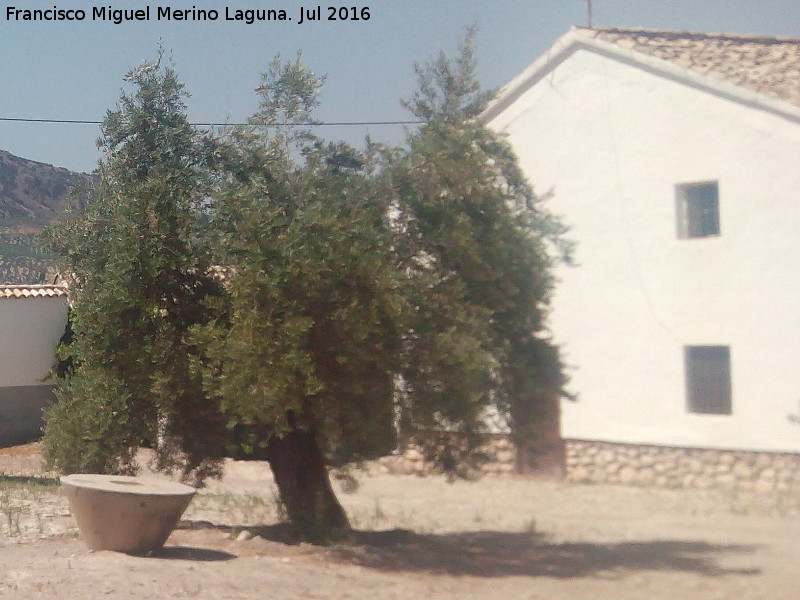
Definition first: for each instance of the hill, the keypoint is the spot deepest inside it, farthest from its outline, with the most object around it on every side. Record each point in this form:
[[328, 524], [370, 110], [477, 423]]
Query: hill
[[32, 194]]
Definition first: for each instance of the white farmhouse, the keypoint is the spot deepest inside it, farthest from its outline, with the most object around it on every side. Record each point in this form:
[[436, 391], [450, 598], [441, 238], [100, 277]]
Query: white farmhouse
[[675, 159], [32, 319]]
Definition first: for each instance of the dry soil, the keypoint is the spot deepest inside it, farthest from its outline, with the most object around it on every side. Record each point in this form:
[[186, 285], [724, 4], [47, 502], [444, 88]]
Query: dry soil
[[497, 538]]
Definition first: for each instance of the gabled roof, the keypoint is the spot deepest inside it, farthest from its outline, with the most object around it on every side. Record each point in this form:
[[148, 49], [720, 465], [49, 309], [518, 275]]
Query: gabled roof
[[754, 70], [763, 64], [32, 291]]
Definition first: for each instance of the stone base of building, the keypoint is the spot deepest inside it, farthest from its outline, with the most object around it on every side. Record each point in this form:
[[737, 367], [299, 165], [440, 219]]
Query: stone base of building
[[498, 456], [659, 466], [640, 465]]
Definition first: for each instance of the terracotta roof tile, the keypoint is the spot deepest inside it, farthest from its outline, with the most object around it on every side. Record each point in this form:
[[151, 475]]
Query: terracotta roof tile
[[32, 291], [762, 64]]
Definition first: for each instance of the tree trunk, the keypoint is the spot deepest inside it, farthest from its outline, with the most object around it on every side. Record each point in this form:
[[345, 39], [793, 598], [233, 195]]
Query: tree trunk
[[540, 448], [305, 487]]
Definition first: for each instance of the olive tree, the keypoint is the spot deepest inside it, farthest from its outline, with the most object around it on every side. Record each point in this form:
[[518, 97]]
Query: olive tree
[[303, 351], [139, 278], [271, 294]]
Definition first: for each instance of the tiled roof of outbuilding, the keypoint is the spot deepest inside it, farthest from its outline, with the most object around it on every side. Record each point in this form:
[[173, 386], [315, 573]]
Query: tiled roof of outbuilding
[[32, 291], [767, 65]]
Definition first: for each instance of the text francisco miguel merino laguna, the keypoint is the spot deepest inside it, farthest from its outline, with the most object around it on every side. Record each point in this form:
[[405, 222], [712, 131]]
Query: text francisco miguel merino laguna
[[167, 13]]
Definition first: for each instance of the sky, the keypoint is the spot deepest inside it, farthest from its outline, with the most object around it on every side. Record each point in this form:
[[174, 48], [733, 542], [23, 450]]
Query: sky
[[74, 69]]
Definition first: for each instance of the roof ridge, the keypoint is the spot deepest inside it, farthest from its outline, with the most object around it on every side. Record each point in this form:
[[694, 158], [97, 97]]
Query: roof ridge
[[675, 33], [33, 290], [31, 286], [766, 65], [763, 75]]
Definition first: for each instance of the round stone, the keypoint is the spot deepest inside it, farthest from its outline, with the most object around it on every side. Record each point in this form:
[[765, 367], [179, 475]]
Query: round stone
[[125, 514], [627, 475]]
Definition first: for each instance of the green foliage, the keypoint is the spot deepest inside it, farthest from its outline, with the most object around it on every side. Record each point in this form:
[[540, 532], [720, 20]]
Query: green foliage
[[90, 429], [139, 277], [308, 325], [480, 250], [357, 287]]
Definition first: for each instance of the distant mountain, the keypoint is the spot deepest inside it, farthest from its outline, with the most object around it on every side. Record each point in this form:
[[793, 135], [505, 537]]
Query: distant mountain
[[32, 194]]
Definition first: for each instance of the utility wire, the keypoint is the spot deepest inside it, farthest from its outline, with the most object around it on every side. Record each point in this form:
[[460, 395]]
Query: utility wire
[[312, 124]]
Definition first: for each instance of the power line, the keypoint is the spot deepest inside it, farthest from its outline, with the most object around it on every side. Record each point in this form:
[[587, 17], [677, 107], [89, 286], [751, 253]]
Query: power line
[[311, 124]]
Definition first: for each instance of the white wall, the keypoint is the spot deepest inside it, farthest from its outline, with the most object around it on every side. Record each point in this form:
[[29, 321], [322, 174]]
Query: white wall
[[612, 140], [29, 331]]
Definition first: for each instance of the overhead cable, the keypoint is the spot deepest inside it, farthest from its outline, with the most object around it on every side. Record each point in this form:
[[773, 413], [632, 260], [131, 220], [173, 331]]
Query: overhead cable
[[310, 124]]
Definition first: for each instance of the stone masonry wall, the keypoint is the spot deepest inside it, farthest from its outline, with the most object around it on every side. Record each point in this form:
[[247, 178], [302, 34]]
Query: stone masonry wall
[[499, 450], [646, 466], [658, 466]]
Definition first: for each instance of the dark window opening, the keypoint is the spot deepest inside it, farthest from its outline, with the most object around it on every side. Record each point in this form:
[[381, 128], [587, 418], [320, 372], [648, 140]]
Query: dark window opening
[[708, 379], [697, 209]]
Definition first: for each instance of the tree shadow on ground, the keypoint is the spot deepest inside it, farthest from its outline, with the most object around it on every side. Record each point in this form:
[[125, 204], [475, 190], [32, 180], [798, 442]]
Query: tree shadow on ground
[[506, 554], [194, 554], [501, 554]]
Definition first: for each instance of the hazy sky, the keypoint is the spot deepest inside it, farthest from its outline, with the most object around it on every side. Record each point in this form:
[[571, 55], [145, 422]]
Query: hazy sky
[[74, 70]]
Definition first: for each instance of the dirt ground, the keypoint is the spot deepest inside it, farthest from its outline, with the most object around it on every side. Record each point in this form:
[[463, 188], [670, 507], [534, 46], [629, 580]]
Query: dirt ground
[[500, 537]]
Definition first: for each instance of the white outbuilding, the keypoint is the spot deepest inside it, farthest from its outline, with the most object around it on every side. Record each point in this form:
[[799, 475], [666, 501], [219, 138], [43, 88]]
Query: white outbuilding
[[32, 320]]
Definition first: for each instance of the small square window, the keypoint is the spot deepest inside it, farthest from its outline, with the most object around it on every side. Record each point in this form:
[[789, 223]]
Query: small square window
[[708, 379], [697, 208]]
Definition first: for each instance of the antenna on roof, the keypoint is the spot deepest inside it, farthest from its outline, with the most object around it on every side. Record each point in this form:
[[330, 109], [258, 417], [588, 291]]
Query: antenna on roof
[[589, 12]]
